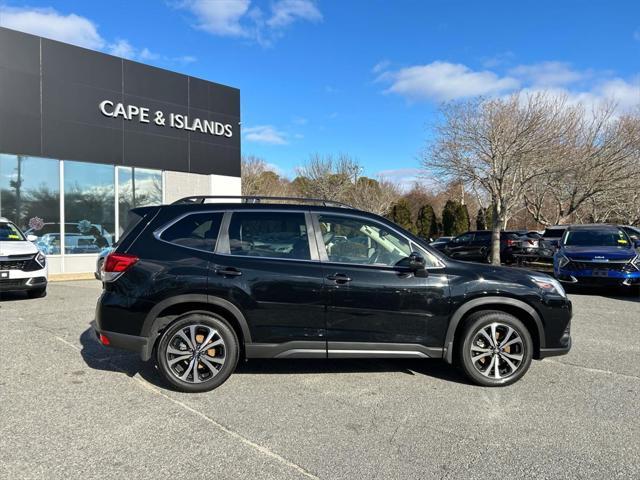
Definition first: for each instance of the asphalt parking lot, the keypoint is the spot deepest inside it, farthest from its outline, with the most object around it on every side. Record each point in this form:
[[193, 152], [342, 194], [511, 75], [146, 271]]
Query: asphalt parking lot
[[73, 409]]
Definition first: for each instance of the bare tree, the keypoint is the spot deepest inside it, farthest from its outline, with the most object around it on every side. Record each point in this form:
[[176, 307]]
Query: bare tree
[[600, 157], [328, 178], [376, 196], [259, 179], [499, 145]]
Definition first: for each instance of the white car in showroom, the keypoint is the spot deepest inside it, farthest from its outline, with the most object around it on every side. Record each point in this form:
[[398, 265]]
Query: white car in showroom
[[23, 268]]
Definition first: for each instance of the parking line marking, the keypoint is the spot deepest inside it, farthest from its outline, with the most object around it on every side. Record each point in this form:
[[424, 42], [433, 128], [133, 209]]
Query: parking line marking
[[260, 448], [593, 370]]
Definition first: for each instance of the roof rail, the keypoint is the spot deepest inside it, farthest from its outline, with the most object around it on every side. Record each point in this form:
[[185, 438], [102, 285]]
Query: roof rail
[[259, 199]]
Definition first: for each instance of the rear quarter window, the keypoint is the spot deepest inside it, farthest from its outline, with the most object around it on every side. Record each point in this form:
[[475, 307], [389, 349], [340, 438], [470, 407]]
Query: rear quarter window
[[196, 230]]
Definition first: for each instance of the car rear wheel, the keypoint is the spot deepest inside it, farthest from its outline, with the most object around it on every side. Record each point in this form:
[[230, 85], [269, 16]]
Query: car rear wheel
[[197, 353], [496, 349]]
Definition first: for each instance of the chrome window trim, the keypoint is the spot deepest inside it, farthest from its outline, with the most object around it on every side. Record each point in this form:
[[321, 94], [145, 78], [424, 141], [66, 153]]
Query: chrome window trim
[[157, 233], [325, 258]]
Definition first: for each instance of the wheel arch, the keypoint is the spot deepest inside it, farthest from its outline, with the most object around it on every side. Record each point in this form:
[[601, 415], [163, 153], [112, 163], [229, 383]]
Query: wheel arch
[[167, 311], [519, 309]]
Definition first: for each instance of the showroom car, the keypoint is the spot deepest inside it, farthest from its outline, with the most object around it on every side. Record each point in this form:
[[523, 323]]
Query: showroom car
[[23, 268], [197, 286], [598, 255]]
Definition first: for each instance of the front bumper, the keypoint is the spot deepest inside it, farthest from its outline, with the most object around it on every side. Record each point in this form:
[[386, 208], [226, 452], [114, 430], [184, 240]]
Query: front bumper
[[588, 277], [21, 281], [554, 352]]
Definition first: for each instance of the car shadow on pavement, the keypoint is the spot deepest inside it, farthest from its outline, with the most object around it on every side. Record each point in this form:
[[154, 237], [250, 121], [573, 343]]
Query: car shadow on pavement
[[428, 367], [99, 357]]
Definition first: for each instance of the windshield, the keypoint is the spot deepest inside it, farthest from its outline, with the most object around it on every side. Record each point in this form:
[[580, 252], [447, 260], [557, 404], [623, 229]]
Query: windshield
[[10, 233], [597, 238]]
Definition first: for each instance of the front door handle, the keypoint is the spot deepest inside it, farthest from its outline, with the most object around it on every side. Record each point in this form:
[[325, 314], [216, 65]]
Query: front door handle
[[339, 278], [228, 271]]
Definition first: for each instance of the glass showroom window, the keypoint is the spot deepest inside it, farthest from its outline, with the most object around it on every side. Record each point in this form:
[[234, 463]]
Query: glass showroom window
[[30, 197], [89, 207], [137, 187]]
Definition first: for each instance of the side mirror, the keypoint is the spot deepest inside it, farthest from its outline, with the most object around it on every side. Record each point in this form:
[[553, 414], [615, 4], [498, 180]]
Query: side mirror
[[417, 264], [32, 238]]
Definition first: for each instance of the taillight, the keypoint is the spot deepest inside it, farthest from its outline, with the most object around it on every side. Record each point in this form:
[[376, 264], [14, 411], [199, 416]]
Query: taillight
[[511, 243], [116, 264]]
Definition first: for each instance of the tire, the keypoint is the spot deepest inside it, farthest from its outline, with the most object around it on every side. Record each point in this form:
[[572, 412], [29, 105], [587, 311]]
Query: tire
[[212, 369], [514, 349], [37, 293]]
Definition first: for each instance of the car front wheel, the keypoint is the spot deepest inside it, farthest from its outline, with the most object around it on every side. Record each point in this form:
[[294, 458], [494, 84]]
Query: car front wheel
[[496, 349], [197, 353]]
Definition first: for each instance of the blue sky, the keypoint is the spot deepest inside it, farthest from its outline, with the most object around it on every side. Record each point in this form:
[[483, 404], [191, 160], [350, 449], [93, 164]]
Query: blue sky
[[363, 77]]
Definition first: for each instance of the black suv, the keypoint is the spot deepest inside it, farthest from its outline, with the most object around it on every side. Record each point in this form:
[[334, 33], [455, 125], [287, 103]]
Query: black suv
[[197, 285], [476, 246]]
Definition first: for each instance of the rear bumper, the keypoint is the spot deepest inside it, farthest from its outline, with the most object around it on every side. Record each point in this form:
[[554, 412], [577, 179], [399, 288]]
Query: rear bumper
[[122, 341]]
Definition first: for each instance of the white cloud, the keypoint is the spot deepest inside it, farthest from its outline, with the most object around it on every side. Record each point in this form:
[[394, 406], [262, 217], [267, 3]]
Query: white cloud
[[403, 177], [265, 134], [381, 66], [548, 73], [76, 30], [285, 12], [220, 17], [443, 81], [48, 23], [122, 48], [238, 18]]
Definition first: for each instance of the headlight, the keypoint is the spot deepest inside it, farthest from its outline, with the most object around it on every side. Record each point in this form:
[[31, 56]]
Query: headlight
[[563, 261], [549, 285], [41, 259]]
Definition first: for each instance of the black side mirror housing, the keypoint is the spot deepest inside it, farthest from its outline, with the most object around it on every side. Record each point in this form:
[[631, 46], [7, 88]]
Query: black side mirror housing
[[417, 264]]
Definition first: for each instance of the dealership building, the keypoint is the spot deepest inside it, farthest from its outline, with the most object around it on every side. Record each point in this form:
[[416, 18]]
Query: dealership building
[[85, 136]]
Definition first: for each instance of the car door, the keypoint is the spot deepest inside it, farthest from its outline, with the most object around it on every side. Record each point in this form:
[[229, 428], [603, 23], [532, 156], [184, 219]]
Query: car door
[[267, 264], [479, 246], [459, 247], [375, 305]]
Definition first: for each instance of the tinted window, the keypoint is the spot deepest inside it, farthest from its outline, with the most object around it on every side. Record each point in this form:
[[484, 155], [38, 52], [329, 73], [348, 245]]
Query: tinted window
[[351, 240], [464, 238], [553, 233], [482, 237], [269, 234], [199, 230]]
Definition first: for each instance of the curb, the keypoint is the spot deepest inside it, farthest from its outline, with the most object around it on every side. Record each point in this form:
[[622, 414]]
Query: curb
[[64, 277]]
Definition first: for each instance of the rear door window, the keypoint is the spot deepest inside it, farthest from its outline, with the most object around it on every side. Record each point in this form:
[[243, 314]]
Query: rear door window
[[269, 234], [197, 230]]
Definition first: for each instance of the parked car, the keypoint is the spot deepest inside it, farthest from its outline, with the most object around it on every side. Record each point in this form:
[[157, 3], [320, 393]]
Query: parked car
[[597, 255], [476, 246], [100, 261], [22, 267], [440, 242], [527, 243], [633, 232], [549, 243], [48, 237], [197, 286]]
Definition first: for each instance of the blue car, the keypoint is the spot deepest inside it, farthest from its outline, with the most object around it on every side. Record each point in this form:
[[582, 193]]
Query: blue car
[[597, 255]]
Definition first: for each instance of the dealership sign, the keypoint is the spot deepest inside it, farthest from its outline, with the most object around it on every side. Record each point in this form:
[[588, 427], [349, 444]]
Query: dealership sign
[[173, 120]]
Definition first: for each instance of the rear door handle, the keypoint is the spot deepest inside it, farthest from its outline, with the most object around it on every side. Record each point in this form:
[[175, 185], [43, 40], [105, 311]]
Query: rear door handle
[[228, 271], [339, 278]]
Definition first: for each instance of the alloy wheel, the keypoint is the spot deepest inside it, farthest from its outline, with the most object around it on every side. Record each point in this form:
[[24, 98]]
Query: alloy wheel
[[196, 353], [497, 351]]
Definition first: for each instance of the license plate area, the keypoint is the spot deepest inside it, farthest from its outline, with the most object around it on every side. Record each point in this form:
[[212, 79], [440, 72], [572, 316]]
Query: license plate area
[[4, 275], [600, 272]]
